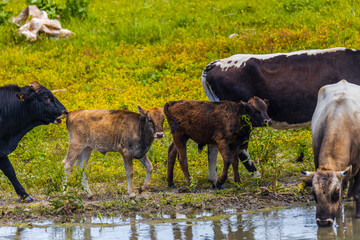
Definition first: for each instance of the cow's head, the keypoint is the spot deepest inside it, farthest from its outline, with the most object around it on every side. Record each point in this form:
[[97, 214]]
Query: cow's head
[[259, 116], [42, 104], [155, 117], [327, 191]]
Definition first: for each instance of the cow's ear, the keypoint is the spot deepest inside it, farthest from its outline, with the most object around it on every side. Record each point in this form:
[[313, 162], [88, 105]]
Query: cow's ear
[[141, 110], [266, 101], [307, 181], [21, 96]]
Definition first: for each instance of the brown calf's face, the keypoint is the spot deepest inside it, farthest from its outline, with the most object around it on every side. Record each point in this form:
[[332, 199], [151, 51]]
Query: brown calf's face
[[259, 116], [156, 117], [327, 192]]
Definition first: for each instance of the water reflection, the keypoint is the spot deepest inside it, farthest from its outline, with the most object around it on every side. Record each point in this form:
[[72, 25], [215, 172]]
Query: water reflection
[[294, 223]]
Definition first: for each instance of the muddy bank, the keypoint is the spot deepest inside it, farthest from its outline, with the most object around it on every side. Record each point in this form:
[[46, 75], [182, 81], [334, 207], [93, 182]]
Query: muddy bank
[[149, 204]]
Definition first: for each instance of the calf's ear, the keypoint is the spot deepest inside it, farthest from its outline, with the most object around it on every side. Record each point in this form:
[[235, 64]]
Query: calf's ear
[[141, 110], [266, 102]]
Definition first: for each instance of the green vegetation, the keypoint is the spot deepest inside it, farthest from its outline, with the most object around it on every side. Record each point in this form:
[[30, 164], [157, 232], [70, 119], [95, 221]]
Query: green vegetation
[[126, 53]]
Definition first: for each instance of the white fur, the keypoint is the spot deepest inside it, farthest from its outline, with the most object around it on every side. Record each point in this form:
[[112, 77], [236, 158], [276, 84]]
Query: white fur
[[241, 59]]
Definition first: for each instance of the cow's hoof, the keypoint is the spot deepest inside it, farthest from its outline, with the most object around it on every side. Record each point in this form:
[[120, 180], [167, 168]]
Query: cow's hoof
[[300, 158], [142, 189], [219, 186], [27, 199], [255, 174], [172, 185]]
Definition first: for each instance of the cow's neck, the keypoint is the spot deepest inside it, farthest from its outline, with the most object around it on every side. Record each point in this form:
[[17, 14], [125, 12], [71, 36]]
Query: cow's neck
[[146, 134], [16, 123]]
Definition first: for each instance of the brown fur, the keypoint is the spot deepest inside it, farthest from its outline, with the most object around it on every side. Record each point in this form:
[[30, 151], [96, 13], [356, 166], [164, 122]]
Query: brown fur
[[220, 123], [131, 134]]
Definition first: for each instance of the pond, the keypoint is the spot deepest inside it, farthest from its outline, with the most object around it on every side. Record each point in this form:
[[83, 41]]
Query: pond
[[288, 223]]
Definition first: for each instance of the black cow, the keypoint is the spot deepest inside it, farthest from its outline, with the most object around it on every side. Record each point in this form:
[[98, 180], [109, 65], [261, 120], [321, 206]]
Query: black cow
[[22, 109], [289, 81]]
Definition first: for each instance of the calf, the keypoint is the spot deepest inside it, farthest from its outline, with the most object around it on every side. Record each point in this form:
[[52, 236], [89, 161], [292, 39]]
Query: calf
[[22, 109], [226, 124], [336, 132], [131, 134]]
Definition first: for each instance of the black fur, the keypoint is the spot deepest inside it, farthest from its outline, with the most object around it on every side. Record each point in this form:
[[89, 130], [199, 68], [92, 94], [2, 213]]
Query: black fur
[[22, 109]]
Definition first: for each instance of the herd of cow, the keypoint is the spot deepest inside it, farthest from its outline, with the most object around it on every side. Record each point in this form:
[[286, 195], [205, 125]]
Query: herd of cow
[[284, 90]]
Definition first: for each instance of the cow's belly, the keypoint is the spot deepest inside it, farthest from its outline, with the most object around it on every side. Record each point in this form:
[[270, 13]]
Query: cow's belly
[[284, 125]]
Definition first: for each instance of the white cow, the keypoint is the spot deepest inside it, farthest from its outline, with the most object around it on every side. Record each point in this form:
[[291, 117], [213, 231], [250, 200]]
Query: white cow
[[336, 145]]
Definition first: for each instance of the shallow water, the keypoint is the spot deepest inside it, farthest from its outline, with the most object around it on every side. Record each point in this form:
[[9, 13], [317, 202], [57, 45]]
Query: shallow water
[[291, 223]]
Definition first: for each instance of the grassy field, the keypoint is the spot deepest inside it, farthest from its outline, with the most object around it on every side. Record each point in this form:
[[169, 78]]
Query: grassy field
[[149, 52]]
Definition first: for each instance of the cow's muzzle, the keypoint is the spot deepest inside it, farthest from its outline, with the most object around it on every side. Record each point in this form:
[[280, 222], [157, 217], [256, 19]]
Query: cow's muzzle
[[63, 115], [324, 223], [159, 135], [267, 122]]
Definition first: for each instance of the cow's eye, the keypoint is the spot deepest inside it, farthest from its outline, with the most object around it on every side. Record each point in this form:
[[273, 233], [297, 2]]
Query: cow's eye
[[49, 99], [335, 196]]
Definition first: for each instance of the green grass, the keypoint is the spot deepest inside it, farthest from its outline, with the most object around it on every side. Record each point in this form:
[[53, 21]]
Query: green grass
[[149, 52]]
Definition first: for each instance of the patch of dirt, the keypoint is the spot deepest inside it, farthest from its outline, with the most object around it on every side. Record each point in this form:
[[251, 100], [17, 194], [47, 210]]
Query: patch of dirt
[[149, 204]]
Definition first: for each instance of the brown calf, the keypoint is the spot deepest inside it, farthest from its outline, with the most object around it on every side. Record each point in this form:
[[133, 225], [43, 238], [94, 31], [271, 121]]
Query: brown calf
[[226, 124], [128, 133]]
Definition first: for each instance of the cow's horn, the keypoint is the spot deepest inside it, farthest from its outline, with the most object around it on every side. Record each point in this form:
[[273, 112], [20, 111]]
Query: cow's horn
[[35, 86], [306, 173]]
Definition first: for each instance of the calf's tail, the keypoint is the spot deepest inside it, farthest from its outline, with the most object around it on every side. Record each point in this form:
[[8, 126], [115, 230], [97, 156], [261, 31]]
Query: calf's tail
[[173, 122]]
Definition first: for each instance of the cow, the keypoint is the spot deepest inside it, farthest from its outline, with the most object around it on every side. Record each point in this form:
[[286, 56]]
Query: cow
[[289, 81], [335, 129], [225, 124], [129, 133], [22, 109]]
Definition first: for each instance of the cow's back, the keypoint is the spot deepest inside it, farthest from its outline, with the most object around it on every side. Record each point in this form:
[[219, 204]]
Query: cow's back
[[204, 121], [290, 81], [103, 130], [336, 125]]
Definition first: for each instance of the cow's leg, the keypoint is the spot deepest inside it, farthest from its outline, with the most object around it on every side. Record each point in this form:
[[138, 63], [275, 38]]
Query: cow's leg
[[227, 156], [212, 158], [172, 152], [180, 143], [83, 160], [129, 173], [72, 155], [350, 192], [7, 168], [235, 166], [357, 194], [149, 168], [245, 159]]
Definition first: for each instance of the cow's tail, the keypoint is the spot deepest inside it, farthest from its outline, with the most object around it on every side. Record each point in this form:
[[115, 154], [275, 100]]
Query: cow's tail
[[207, 88], [174, 122]]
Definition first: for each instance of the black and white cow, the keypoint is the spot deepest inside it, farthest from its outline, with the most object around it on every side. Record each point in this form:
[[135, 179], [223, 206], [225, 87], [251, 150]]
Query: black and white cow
[[289, 81], [22, 109]]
